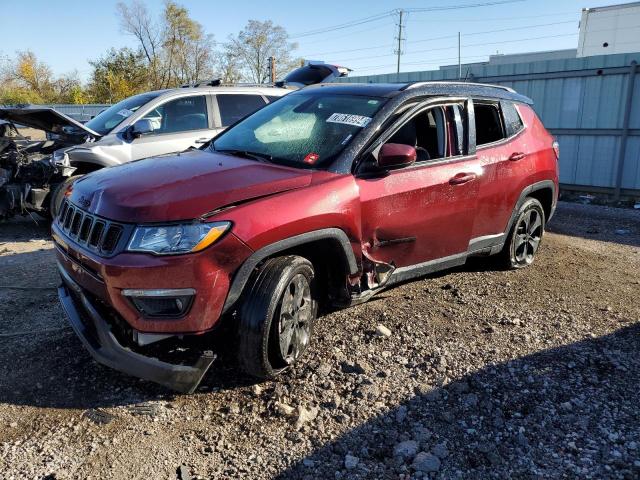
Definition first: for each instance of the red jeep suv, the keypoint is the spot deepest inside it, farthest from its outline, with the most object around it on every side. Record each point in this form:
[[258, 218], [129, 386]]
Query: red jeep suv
[[327, 195]]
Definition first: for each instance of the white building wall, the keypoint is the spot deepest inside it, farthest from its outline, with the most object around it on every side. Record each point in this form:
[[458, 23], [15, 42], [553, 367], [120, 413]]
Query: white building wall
[[609, 30]]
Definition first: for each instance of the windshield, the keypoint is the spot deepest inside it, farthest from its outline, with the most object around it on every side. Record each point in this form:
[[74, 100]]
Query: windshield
[[303, 130], [113, 116]]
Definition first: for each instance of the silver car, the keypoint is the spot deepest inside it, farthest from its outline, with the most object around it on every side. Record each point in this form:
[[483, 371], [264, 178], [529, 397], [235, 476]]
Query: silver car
[[163, 122]]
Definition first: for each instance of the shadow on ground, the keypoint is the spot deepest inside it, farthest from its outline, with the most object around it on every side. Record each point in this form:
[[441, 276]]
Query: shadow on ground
[[566, 412]]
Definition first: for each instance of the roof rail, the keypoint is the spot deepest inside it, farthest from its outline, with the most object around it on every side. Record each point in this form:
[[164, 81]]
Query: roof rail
[[446, 82], [217, 82]]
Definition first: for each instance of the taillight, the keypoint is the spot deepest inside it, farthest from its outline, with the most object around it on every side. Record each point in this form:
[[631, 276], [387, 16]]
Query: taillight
[[556, 149]]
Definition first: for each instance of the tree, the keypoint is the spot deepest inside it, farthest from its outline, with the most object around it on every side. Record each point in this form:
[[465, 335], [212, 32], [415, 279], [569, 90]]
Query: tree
[[25, 79], [176, 48], [253, 46], [117, 75]]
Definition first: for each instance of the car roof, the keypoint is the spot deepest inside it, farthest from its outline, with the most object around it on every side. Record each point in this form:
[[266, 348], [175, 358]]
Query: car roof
[[444, 88]]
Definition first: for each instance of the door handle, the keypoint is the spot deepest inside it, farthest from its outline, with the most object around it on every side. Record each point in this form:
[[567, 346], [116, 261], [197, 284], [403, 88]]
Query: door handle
[[517, 156], [202, 140], [461, 178]]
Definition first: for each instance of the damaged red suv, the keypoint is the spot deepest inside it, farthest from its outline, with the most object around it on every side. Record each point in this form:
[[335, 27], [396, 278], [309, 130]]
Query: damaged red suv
[[326, 196]]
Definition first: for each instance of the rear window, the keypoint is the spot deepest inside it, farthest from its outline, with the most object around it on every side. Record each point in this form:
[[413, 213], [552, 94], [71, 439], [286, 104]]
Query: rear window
[[512, 121], [309, 74], [235, 107], [488, 123]]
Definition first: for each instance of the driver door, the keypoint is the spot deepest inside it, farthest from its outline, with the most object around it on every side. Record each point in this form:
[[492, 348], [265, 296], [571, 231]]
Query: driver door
[[423, 212]]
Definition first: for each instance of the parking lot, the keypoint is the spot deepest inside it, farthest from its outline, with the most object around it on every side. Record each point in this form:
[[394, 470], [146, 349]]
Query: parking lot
[[486, 374]]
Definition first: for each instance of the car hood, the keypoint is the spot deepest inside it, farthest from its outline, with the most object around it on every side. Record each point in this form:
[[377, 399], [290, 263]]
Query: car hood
[[181, 187], [47, 119]]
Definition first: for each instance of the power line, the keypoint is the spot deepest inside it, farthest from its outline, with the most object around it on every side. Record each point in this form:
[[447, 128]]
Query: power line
[[373, 18], [445, 37], [464, 45]]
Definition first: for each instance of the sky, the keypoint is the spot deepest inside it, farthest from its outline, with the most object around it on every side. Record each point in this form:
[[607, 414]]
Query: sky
[[67, 34]]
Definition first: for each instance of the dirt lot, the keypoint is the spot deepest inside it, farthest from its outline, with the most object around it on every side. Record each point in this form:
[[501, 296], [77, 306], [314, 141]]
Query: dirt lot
[[486, 374]]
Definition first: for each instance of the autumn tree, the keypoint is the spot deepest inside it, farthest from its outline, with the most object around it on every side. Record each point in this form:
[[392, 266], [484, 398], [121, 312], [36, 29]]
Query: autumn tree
[[253, 46], [176, 48], [117, 75], [25, 79]]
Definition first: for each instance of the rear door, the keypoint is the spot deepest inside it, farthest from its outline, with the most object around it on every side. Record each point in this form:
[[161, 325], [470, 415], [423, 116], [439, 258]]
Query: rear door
[[179, 123], [425, 211], [503, 154]]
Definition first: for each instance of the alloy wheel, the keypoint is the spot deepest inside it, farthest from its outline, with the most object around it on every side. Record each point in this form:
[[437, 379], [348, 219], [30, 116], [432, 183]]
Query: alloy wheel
[[294, 324], [528, 236]]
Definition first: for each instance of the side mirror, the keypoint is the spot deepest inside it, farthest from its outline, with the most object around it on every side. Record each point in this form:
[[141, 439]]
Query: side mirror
[[396, 155], [141, 127]]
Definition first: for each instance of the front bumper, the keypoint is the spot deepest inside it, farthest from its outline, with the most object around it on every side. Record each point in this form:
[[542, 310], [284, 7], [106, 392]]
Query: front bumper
[[95, 334]]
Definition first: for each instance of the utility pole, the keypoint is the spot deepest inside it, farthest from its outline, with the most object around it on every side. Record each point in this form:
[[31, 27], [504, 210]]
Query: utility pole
[[399, 50], [272, 70], [459, 59]]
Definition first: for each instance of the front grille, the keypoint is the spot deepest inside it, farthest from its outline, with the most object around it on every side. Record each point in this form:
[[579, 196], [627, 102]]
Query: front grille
[[95, 233]]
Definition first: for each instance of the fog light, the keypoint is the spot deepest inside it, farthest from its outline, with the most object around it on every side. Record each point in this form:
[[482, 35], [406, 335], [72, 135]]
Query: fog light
[[173, 302]]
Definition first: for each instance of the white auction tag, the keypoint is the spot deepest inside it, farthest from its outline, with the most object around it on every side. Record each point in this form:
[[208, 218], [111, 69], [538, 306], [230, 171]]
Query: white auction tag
[[349, 119]]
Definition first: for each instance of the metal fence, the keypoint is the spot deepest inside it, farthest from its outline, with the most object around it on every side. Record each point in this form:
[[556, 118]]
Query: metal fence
[[81, 113], [591, 104]]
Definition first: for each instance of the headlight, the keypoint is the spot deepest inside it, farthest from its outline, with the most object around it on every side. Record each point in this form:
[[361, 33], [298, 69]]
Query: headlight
[[176, 239]]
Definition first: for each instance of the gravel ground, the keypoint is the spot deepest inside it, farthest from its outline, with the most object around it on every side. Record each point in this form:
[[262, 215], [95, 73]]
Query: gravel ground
[[471, 373]]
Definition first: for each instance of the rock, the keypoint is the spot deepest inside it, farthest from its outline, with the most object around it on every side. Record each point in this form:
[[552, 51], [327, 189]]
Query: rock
[[257, 390], [401, 413], [13, 424], [183, 473], [566, 406], [440, 450], [406, 449], [324, 370], [426, 462], [351, 462], [305, 415], [284, 409], [359, 368], [383, 331]]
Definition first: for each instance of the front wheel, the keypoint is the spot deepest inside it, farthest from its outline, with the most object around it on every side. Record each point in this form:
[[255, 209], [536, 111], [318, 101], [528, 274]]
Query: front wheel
[[276, 316], [57, 195], [526, 234]]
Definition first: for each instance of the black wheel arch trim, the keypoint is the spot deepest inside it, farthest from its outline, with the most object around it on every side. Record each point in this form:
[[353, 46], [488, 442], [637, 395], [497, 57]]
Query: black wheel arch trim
[[544, 184], [241, 277]]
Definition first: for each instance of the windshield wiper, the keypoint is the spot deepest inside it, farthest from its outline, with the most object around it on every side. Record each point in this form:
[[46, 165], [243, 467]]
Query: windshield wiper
[[261, 157]]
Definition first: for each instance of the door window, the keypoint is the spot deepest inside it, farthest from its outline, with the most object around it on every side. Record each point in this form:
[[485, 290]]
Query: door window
[[180, 115], [489, 127], [236, 107], [435, 133]]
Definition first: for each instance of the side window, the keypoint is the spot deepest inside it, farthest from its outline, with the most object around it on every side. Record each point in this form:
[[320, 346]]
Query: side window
[[180, 115], [235, 107], [434, 133], [272, 98], [512, 121], [488, 123]]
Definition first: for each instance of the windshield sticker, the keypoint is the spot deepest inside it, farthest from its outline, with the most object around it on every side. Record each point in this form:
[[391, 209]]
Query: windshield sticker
[[125, 113], [348, 137], [349, 119], [311, 158]]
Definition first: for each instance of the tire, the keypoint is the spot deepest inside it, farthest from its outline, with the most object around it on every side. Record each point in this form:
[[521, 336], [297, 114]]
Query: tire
[[269, 340], [524, 239], [57, 195]]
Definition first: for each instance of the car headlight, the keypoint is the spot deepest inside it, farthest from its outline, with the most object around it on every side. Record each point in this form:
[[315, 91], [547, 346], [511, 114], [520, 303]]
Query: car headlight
[[176, 239]]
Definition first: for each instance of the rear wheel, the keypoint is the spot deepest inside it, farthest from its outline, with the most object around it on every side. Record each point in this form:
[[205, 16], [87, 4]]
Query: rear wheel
[[526, 234], [276, 316]]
